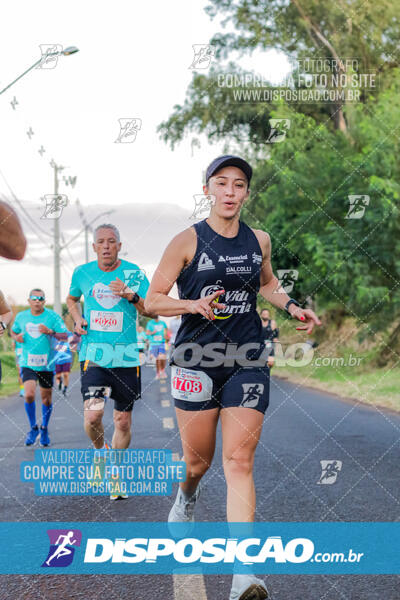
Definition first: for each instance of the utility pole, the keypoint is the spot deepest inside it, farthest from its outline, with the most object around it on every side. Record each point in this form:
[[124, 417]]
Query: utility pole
[[57, 247], [87, 227]]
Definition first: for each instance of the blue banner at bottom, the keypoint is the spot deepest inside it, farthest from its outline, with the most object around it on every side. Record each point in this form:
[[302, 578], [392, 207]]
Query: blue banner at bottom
[[209, 548]]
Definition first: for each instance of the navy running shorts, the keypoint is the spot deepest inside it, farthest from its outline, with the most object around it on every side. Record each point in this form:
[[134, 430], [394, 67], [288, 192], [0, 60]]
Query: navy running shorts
[[122, 384], [246, 387], [44, 378]]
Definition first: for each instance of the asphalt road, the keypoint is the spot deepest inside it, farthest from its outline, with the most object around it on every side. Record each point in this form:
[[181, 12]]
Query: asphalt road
[[302, 427]]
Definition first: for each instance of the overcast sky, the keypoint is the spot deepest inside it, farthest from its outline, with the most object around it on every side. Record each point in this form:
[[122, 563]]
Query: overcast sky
[[133, 62]]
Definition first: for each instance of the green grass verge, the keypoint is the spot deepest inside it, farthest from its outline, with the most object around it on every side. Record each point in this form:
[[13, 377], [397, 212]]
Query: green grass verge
[[9, 382], [379, 387]]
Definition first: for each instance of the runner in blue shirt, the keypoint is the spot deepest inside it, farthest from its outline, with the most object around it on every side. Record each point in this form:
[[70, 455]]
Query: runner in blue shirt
[[113, 292], [157, 333], [62, 361], [34, 329]]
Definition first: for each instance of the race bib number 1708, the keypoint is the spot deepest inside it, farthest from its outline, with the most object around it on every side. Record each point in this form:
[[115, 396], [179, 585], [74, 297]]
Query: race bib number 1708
[[190, 385]]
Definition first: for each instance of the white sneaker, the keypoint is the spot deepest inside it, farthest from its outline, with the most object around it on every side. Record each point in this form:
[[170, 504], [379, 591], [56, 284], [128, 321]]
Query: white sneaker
[[118, 496], [248, 587], [183, 511]]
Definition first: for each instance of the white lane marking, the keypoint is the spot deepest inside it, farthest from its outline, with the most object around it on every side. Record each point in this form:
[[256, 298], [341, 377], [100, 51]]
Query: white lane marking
[[165, 403], [168, 423], [189, 587], [163, 389]]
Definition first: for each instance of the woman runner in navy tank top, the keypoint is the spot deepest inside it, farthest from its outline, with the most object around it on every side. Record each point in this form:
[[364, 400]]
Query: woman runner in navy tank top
[[218, 368]]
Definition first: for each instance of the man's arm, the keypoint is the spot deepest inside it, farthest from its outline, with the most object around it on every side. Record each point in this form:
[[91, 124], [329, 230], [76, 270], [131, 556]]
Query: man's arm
[[12, 239], [120, 289], [74, 309], [16, 332]]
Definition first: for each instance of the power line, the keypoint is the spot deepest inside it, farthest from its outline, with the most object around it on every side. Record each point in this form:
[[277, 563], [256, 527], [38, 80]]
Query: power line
[[24, 210]]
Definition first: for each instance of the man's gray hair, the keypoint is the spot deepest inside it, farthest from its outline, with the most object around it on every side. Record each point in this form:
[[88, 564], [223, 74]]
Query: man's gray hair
[[106, 226]]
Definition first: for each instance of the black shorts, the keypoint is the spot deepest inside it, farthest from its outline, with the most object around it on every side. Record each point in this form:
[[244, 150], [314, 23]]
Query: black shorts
[[246, 387], [44, 378], [124, 384]]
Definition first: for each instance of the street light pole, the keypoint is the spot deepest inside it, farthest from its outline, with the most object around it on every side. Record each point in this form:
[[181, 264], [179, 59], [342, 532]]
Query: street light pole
[[67, 52]]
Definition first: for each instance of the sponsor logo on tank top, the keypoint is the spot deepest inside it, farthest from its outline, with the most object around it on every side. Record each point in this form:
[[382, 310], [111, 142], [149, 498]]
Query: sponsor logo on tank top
[[257, 258], [235, 301], [233, 259], [205, 263], [238, 270]]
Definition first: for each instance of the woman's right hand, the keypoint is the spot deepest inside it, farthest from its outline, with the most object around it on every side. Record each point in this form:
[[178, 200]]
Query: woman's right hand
[[204, 306]]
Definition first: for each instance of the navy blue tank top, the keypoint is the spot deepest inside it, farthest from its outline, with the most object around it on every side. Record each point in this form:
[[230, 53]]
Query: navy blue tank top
[[232, 264]]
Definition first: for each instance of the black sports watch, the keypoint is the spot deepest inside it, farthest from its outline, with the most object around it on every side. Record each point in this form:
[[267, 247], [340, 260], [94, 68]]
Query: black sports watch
[[288, 303], [135, 298], [3, 325]]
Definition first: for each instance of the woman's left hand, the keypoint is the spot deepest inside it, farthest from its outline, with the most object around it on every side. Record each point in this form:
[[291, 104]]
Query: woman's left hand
[[307, 316]]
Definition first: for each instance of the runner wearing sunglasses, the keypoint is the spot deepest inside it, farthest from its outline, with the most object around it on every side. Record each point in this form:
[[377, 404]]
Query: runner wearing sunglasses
[[34, 329]]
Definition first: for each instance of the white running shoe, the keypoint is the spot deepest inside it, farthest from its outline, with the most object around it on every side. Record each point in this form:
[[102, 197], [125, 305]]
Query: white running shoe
[[183, 511], [118, 496], [248, 587]]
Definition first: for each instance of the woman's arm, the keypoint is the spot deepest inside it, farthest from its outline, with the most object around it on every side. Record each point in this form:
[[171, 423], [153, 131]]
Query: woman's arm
[[6, 314], [12, 239], [179, 253], [272, 291]]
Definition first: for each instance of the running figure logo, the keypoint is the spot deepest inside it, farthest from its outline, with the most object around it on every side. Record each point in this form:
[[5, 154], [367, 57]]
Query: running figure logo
[[202, 204], [203, 53], [55, 203], [357, 206], [286, 277], [252, 393], [128, 129], [133, 278], [98, 394], [61, 551], [50, 54], [330, 471], [279, 129]]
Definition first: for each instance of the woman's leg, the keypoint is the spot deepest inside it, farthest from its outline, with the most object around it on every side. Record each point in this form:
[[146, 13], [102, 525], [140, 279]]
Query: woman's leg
[[241, 429], [198, 433]]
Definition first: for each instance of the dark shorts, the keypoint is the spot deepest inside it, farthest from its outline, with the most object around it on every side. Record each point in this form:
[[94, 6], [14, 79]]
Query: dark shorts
[[64, 368], [123, 384], [44, 378], [246, 387]]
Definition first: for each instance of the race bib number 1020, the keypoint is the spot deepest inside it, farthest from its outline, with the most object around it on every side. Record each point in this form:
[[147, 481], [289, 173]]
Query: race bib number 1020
[[106, 320]]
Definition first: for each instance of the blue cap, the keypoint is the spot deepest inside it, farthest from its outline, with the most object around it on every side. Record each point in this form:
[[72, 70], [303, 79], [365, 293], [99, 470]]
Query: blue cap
[[229, 161]]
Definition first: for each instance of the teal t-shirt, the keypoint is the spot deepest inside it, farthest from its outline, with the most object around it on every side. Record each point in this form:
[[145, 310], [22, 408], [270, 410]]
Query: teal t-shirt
[[141, 339], [157, 329], [111, 333], [37, 348]]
